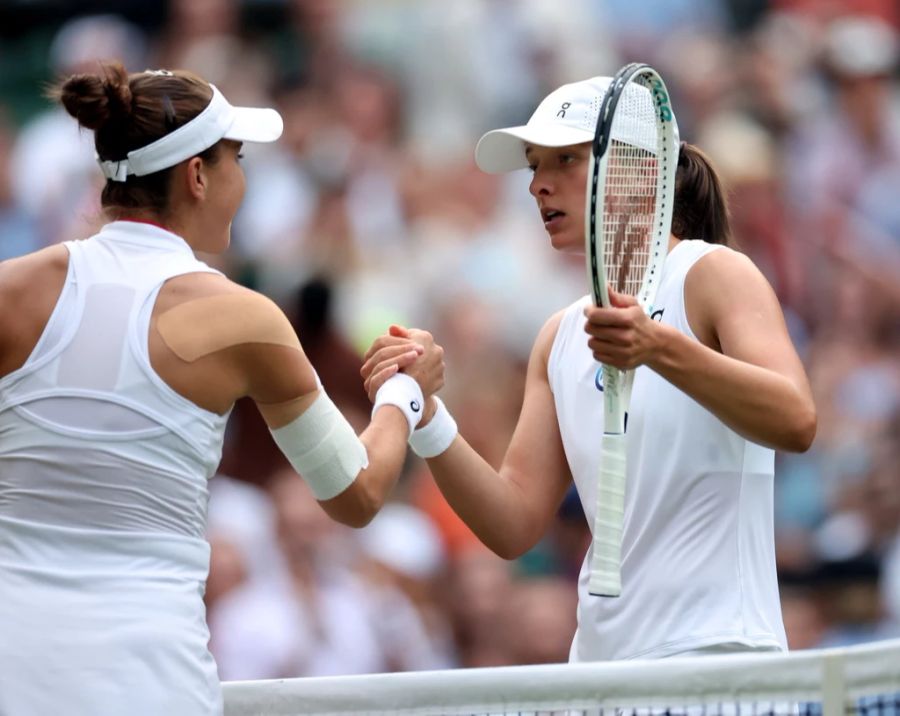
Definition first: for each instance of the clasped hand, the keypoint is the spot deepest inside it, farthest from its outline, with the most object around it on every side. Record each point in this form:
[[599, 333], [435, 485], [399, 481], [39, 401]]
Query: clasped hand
[[410, 350], [622, 336]]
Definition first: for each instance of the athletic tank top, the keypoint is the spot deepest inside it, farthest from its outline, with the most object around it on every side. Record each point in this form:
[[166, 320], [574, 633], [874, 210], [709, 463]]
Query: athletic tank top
[[103, 493], [698, 554]]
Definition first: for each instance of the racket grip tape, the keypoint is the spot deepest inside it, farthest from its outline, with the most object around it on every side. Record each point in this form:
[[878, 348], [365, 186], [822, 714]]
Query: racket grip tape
[[606, 557]]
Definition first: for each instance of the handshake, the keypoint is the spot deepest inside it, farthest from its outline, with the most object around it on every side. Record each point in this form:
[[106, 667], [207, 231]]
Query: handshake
[[393, 362]]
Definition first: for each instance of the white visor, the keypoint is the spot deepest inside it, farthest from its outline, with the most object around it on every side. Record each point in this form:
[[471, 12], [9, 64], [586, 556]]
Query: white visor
[[220, 120], [567, 116]]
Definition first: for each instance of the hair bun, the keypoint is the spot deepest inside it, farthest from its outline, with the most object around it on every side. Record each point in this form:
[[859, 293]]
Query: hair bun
[[94, 100]]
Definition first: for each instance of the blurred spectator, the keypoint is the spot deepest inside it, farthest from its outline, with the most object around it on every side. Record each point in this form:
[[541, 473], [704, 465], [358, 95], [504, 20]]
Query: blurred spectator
[[539, 621], [18, 228], [335, 361], [804, 622], [746, 156], [315, 618], [283, 192], [54, 169], [479, 588], [840, 150], [245, 573], [405, 564], [205, 36]]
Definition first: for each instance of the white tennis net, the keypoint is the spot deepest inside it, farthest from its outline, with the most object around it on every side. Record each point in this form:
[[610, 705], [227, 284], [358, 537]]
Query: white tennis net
[[861, 680]]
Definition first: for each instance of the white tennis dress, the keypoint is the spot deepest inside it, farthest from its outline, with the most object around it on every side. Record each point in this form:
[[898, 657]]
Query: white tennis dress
[[103, 493], [698, 552]]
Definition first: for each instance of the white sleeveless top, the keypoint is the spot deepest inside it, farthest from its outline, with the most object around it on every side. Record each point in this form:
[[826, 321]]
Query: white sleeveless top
[[698, 553], [103, 493]]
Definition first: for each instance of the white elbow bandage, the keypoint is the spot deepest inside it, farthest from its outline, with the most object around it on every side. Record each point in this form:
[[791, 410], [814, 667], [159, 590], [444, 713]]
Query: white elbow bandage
[[323, 447], [437, 436]]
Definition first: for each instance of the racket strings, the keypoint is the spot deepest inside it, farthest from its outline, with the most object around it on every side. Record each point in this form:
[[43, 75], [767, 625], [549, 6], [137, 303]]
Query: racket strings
[[628, 217], [632, 174]]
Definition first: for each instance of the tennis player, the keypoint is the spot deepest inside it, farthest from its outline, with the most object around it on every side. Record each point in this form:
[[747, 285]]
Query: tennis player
[[120, 358], [718, 388]]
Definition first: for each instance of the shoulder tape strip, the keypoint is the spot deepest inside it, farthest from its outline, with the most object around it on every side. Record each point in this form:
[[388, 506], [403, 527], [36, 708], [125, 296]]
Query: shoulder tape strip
[[205, 325]]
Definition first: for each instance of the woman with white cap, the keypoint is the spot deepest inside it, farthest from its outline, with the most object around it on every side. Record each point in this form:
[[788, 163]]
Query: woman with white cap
[[120, 358], [718, 386]]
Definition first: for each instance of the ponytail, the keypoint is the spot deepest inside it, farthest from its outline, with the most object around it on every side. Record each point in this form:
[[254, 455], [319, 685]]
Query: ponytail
[[701, 210], [95, 100]]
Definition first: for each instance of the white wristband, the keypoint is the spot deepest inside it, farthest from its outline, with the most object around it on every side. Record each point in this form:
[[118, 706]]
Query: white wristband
[[403, 392], [437, 436]]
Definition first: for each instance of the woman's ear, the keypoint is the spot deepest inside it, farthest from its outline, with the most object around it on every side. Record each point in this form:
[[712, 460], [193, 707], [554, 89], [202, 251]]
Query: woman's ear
[[196, 179]]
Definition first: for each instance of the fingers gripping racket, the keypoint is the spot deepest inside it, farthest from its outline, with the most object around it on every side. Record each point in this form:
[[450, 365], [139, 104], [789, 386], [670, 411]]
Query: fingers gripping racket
[[630, 192]]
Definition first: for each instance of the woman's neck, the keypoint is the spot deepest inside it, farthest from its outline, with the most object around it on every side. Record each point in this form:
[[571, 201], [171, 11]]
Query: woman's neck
[[141, 216]]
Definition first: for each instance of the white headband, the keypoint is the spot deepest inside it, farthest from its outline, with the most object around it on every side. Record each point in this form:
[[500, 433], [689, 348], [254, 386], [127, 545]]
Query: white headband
[[220, 120]]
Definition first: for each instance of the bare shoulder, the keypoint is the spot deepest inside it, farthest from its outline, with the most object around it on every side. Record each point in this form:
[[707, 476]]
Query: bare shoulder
[[215, 296], [725, 287], [215, 341], [190, 286], [543, 344], [32, 270], [725, 271], [221, 312], [30, 286]]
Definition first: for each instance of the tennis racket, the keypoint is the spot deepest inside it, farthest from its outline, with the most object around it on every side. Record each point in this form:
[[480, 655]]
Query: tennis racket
[[630, 192]]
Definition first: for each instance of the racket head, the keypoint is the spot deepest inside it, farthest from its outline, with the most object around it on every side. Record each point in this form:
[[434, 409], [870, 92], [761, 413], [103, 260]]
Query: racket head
[[631, 187]]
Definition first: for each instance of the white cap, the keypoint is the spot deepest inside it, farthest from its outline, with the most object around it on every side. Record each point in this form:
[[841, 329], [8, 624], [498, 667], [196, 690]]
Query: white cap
[[567, 116], [861, 46], [220, 120]]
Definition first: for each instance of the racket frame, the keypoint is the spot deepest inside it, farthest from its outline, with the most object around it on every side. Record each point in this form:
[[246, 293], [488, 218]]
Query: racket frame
[[605, 563]]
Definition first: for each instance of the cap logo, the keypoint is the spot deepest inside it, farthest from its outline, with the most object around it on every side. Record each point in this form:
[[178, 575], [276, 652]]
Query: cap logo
[[562, 110]]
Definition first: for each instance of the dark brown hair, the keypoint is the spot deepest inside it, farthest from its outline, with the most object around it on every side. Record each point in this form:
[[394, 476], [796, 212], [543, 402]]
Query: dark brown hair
[[701, 209], [129, 111]]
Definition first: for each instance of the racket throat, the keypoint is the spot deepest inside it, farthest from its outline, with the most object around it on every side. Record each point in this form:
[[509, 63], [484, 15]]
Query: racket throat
[[617, 392]]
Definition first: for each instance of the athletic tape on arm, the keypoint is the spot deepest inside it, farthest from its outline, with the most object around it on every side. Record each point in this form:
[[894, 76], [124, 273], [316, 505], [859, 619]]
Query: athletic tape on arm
[[323, 447], [201, 326]]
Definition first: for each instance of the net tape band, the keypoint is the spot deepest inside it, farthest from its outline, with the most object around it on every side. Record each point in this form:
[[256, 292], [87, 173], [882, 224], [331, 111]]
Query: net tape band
[[741, 678]]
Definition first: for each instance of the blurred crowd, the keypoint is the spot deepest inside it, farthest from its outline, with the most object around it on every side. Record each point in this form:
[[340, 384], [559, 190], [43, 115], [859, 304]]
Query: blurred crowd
[[370, 210]]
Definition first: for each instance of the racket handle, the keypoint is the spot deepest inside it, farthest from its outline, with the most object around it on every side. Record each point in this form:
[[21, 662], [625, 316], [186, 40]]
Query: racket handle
[[606, 557]]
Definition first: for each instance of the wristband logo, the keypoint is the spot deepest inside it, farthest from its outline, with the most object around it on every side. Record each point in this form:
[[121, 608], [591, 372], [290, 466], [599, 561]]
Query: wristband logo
[[414, 405]]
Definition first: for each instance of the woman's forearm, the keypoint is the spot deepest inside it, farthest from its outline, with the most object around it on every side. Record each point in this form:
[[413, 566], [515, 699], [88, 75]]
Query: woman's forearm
[[757, 403], [490, 504]]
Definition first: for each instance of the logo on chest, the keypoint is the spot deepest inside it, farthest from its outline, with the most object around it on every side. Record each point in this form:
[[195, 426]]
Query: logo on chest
[[598, 378]]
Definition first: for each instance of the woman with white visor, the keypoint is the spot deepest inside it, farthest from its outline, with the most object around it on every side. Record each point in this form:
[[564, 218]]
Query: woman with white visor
[[120, 358]]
